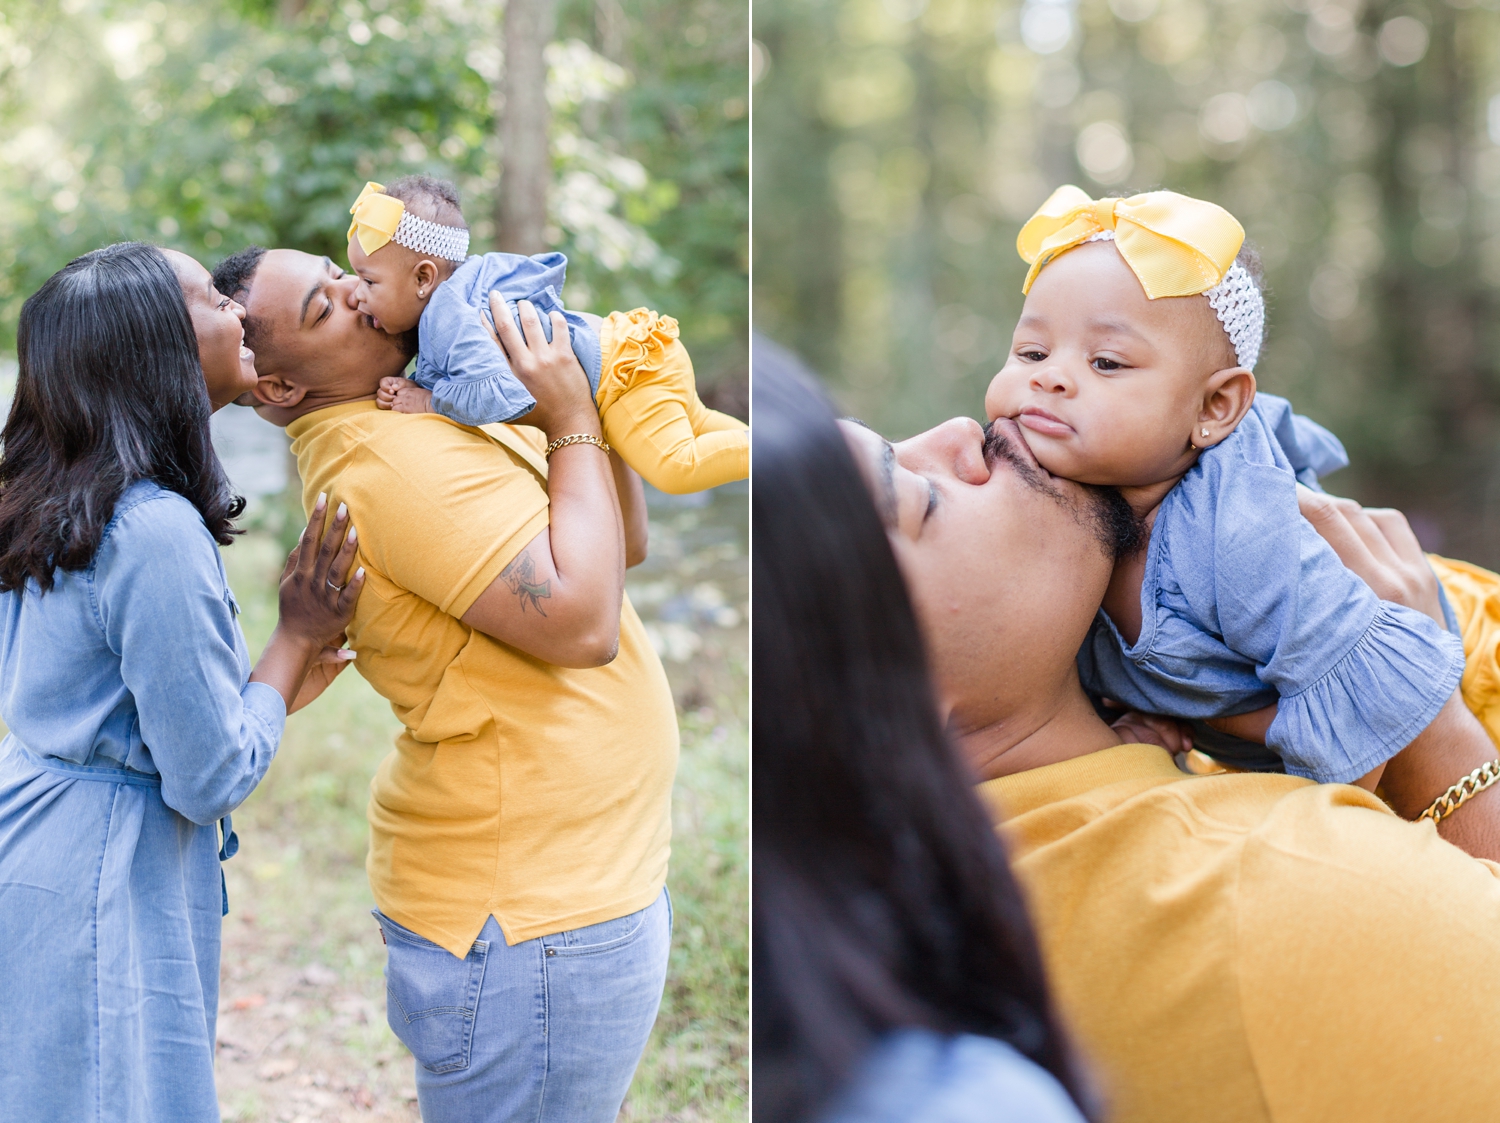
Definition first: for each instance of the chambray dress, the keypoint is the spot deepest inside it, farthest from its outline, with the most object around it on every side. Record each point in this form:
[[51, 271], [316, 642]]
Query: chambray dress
[[1243, 605], [469, 378], [133, 732]]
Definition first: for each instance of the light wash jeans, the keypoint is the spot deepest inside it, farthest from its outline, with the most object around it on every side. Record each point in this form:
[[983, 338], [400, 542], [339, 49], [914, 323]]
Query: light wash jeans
[[547, 1031]]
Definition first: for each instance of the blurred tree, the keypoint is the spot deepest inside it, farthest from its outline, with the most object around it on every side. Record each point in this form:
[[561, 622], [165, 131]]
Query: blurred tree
[[901, 143], [206, 126], [521, 218]]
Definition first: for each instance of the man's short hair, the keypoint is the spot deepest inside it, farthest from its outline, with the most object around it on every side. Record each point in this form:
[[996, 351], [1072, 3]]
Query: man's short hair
[[427, 197], [232, 277]]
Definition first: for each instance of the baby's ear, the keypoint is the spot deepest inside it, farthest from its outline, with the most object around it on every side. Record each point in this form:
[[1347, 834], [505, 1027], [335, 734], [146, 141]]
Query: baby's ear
[[1228, 397]]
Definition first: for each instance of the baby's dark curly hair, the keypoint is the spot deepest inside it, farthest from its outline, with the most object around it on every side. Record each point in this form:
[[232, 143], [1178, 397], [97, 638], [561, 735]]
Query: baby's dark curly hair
[[427, 197]]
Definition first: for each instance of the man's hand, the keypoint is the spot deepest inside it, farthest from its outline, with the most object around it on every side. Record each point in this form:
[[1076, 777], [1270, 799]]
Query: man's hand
[[1376, 543], [549, 370]]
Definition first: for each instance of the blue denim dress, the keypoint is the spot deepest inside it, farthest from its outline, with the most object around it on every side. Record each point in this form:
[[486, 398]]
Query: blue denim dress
[[133, 732], [458, 361], [916, 1076], [1243, 605]]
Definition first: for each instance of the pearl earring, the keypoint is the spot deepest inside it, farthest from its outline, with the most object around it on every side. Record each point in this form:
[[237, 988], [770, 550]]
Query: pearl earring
[[1205, 432]]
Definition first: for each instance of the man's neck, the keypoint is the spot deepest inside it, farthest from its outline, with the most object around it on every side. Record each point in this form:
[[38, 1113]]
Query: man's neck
[[1067, 728], [311, 402]]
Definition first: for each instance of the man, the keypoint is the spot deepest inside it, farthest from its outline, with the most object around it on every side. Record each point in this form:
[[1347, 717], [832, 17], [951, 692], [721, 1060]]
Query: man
[[1234, 947], [519, 832]]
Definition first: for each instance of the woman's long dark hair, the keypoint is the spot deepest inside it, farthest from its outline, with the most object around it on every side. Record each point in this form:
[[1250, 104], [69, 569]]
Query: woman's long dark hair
[[882, 897], [109, 392]]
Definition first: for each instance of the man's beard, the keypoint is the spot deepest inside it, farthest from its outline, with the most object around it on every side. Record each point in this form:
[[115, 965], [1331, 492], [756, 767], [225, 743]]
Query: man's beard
[[1116, 526]]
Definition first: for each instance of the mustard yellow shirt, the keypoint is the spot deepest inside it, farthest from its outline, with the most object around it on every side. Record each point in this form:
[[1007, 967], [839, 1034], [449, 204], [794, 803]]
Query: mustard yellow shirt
[[536, 794], [1250, 947]]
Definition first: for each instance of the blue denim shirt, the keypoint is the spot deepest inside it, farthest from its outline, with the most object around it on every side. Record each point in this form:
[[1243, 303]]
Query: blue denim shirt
[[133, 731], [469, 378], [1243, 605], [917, 1076]]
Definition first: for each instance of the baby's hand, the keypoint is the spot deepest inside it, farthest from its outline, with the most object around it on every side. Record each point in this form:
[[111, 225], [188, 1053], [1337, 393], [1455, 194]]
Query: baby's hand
[[385, 393], [403, 395]]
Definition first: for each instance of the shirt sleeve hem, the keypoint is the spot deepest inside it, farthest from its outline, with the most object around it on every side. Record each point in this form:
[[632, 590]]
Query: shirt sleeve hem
[[484, 574]]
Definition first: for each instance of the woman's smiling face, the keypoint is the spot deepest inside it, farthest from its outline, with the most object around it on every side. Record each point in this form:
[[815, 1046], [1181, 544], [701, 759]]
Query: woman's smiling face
[[228, 365]]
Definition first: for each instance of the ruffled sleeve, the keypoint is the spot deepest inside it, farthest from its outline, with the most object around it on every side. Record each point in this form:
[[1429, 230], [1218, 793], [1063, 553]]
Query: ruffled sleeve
[[1357, 678], [1373, 702]]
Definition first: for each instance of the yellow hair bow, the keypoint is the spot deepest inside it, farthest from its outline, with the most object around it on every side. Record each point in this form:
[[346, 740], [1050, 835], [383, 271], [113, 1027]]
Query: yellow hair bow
[[1176, 246], [376, 216]]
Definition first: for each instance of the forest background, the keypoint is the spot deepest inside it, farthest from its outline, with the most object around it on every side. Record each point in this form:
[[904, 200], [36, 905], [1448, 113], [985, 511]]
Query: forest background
[[209, 124], [900, 145]]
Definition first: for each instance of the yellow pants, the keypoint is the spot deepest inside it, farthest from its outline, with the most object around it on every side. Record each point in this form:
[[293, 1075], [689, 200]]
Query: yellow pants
[[1475, 596], [649, 407]]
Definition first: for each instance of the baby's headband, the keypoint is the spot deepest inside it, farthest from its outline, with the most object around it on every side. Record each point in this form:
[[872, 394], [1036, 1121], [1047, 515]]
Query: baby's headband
[[1176, 246], [380, 218]]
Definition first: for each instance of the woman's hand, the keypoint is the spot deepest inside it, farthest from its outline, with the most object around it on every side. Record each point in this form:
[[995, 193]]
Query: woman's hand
[[550, 371], [317, 594], [1377, 544], [317, 598]]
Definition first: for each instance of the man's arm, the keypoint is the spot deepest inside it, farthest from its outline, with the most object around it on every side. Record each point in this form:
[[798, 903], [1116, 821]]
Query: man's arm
[[559, 598], [632, 509]]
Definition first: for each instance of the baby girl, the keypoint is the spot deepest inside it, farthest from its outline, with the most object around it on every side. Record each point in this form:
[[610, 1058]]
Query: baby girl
[[1132, 367], [409, 243]]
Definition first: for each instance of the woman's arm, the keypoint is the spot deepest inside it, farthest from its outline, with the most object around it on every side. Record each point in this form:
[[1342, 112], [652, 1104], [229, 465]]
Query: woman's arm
[[559, 599], [164, 609]]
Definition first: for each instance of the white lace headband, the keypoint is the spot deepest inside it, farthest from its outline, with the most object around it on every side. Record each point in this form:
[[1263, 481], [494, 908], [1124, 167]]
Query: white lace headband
[[448, 242], [1238, 303]]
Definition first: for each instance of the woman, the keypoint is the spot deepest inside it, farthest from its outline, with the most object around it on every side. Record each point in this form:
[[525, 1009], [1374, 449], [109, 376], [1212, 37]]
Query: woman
[[896, 974], [123, 680]]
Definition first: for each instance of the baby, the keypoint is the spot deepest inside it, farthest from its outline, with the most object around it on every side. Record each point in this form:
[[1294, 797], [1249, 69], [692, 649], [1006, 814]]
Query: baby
[[408, 244], [1132, 367]]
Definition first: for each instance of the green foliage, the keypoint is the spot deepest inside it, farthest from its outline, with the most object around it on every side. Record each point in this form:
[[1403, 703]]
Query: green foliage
[[207, 126], [900, 144]]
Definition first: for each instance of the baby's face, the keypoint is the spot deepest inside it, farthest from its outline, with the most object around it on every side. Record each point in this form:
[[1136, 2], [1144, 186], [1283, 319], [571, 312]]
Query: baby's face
[[1106, 385], [388, 286]]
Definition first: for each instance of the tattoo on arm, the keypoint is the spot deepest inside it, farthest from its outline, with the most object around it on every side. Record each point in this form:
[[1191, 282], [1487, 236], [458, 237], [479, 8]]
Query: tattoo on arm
[[520, 578]]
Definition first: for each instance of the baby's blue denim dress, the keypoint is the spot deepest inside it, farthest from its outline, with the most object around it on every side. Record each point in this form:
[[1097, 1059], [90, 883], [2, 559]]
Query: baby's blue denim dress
[[133, 732], [1243, 605], [458, 361]]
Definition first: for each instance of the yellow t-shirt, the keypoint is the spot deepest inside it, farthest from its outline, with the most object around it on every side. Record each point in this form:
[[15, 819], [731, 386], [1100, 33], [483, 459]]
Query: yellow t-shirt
[[536, 794], [1250, 947]]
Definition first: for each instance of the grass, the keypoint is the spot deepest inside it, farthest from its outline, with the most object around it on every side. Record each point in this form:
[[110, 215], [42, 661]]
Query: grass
[[303, 1033]]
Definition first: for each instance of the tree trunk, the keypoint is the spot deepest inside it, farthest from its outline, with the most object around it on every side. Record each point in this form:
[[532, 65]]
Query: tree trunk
[[526, 161]]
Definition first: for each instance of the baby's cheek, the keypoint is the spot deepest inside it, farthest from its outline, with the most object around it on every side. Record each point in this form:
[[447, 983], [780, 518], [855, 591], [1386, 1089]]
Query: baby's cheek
[[996, 397]]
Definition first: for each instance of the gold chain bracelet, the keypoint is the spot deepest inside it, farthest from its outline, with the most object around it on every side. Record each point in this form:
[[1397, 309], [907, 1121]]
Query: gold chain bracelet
[[576, 439], [1460, 793]]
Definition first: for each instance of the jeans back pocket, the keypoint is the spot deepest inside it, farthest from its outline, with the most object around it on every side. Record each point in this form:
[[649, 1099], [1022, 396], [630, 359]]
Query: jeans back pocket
[[431, 996]]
